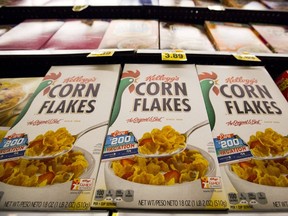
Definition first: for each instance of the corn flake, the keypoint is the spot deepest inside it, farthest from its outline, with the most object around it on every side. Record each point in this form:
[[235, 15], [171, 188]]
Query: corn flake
[[268, 143], [186, 166], [264, 172], [166, 140], [50, 143], [39, 173]]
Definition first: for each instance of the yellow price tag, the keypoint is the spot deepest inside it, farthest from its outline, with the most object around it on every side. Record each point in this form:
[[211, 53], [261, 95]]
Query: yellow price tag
[[283, 85], [78, 8], [216, 8], [246, 57], [101, 53], [174, 56]]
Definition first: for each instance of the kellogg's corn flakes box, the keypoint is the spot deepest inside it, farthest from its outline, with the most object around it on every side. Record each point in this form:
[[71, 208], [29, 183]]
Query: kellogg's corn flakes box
[[159, 152], [49, 158], [248, 116]]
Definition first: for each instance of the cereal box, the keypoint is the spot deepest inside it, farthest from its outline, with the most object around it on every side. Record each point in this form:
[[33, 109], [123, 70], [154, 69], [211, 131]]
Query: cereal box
[[25, 3], [275, 36], [281, 5], [182, 3], [159, 152], [282, 83], [244, 4], [248, 117], [78, 34], [49, 158], [138, 2], [14, 94], [184, 36], [234, 37], [131, 34], [5, 28], [29, 34], [207, 3]]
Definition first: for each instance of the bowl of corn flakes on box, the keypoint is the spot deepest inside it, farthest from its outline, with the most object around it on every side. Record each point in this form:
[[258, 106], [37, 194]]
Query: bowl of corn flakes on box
[[159, 177], [267, 171], [46, 179], [267, 179]]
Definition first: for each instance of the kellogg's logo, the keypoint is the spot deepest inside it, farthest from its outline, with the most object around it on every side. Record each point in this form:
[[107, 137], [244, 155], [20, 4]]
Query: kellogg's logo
[[211, 182], [82, 184]]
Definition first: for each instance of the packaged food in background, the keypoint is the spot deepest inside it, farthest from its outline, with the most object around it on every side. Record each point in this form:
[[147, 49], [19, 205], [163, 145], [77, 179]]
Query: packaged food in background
[[276, 4], [78, 34], [282, 83], [131, 34], [14, 94], [234, 37], [29, 34], [184, 37], [274, 36]]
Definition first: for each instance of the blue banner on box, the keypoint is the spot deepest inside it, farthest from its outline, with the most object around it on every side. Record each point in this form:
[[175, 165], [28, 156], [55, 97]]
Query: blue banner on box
[[119, 144], [231, 148], [13, 146]]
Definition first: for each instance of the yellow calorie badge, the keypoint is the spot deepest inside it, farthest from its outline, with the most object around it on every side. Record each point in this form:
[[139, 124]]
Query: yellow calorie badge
[[246, 57], [175, 55], [101, 53]]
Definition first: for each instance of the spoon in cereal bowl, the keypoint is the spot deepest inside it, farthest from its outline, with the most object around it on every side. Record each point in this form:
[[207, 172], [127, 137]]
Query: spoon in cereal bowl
[[147, 146], [53, 144], [271, 157]]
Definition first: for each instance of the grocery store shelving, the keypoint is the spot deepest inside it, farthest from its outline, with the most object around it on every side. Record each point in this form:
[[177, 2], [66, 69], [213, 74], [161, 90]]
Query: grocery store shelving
[[38, 62], [163, 13], [35, 63]]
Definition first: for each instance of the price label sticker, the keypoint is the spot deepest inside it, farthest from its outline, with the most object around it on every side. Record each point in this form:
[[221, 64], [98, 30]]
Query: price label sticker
[[78, 8], [230, 148], [101, 53], [216, 8], [119, 144], [247, 57], [13, 146], [174, 56]]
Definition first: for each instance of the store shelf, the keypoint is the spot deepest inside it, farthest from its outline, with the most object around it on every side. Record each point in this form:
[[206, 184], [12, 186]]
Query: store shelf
[[34, 64], [162, 13], [15, 14]]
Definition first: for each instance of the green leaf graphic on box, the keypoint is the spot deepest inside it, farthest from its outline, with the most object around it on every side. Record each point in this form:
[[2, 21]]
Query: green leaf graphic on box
[[127, 80], [43, 86], [208, 82]]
